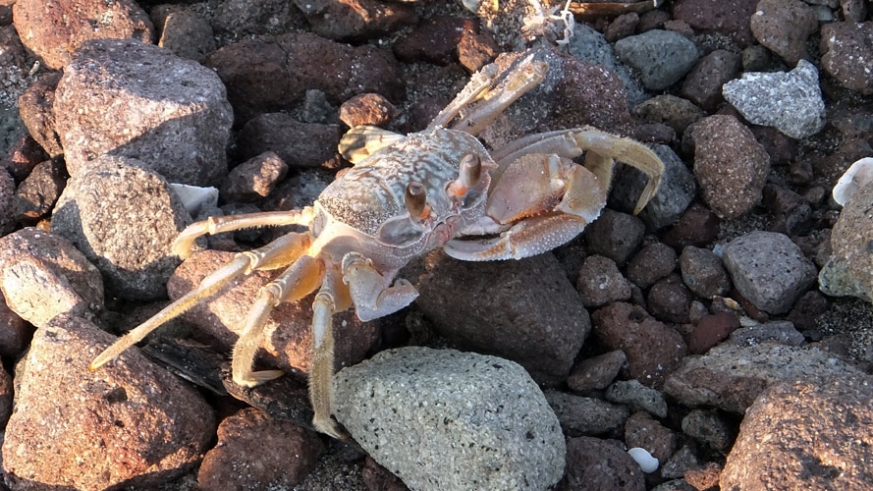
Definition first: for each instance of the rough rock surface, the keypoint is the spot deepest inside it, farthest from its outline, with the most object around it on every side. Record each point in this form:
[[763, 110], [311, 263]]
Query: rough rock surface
[[848, 54], [790, 102], [539, 323], [729, 164], [731, 377], [660, 57], [55, 28], [44, 275], [174, 112], [831, 449], [769, 270], [124, 218], [848, 271], [475, 421], [130, 423]]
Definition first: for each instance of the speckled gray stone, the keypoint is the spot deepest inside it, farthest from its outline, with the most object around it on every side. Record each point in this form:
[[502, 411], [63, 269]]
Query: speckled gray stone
[[660, 57], [589, 45], [443, 419], [769, 270], [791, 101], [849, 270], [638, 396], [124, 218]]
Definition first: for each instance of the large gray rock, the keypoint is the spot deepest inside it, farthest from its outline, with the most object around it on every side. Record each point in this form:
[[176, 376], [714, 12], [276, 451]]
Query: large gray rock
[[124, 97], [660, 57], [791, 101], [442, 419], [849, 270]]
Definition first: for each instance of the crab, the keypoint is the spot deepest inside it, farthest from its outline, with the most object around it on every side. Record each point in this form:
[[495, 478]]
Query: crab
[[404, 197]]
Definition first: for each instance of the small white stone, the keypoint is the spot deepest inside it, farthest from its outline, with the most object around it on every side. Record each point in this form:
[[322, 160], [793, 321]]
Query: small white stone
[[648, 464], [193, 197], [858, 175]]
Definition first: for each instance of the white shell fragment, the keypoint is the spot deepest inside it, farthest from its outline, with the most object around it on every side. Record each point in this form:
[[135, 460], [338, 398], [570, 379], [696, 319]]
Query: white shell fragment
[[193, 197], [858, 175], [648, 464]]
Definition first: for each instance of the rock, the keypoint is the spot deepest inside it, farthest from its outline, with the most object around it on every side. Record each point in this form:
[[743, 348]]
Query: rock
[[660, 57], [769, 270], [669, 300], [287, 331], [705, 477], [710, 428], [434, 41], [730, 377], [615, 235], [355, 19], [714, 16], [698, 226], [125, 98], [653, 350], [652, 263], [782, 332], [538, 322], [128, 424], [254, 179], [772, 451], [702, 85], [712, 330], [597, 464], [783, 26], [7, 202], [244, 18], [643, 431], [788, 101], [680, 462], [55, 29], [676, 112], [596, 373], [35, 107], [703, 272], [432, 400], [600, 282], [848, 56], [22, 156], [295, 63], [297, 144], [729, 164], [37, 194], [590, 46], [586, 415], [44, 275], [638, 397], [187, 35], [123, 217], [792, 213], [15, 332], [367, 109], [257, 452]]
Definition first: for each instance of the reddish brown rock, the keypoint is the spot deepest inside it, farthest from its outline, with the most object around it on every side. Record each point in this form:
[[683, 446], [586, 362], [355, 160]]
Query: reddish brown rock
[[435, 40], [830, 450], [293, 64], [256, 452], [653, 350], [848, 54], [131, 423], [35, 108], [596, 373], [730, 17], [22, 157], [44, 275], [297, 144], [53, 29], [37, 194], [370, 109], [783, 26], [600, 282], [254, 179], [712, 330], [355, 19], [698, 226], [643, 431], [652, 263], [600, 464], [15, 332]]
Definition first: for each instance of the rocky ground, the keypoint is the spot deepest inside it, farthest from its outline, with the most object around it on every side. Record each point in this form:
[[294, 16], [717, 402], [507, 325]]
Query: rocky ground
[[697, 330]]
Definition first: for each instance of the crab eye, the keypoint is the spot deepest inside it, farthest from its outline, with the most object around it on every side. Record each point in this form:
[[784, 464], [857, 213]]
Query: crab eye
[[471, 170], [416, 200]]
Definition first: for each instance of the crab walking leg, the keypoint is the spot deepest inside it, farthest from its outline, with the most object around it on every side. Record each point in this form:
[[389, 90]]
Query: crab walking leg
[[332, 297], [302, 278], [370, 290], [478, 84], [549, 201], [285, 250], [606, 148], [184, 242]]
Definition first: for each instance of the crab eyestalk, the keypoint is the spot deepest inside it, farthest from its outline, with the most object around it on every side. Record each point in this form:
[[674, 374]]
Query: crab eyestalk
[[469, 175], [416, 201]]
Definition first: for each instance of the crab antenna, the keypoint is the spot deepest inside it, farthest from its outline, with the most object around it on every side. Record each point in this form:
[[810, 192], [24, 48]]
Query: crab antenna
[[416, 200]]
